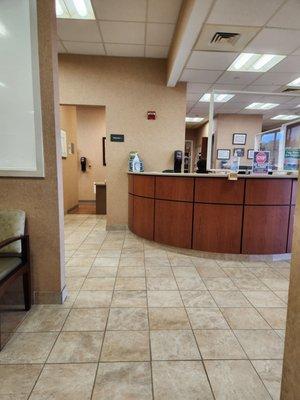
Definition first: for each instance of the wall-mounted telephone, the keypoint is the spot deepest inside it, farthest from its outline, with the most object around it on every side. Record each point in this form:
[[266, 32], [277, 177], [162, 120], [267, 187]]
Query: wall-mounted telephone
[[83, 163]]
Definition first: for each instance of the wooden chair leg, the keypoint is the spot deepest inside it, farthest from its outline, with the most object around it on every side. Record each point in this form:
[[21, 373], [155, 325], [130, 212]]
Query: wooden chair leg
[[27, 290]]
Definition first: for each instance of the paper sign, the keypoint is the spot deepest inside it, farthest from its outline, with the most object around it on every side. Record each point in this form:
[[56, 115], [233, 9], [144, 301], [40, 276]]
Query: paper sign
[[291, 159], [260, 163]]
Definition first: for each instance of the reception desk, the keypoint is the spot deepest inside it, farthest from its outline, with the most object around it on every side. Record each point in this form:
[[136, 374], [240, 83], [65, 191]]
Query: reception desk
[[251, 215]]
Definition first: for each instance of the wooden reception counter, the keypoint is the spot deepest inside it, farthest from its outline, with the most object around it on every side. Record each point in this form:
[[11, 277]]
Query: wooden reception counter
[[251, 215]]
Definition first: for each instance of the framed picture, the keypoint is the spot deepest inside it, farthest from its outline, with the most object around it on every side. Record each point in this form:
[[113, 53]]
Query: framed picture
[[250, 154], [64, 147], [239, 138], [223, 154], [103, 151], [238, 152]]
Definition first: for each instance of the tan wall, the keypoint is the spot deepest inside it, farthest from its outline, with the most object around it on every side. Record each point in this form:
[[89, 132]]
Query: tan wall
[[128, 88], [227, 124], [68, 122], [42, 198], [91, 129]]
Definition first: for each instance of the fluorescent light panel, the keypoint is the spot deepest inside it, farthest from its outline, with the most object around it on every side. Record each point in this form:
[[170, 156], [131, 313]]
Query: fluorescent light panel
[[295, 83], [74, 9], [261, 106], [250, 62], [218, 98], [193, 119], [286, 117]]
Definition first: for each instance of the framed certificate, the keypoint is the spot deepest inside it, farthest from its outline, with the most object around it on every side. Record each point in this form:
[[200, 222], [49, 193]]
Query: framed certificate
[[223, 154], [250, 154], [239, 138]]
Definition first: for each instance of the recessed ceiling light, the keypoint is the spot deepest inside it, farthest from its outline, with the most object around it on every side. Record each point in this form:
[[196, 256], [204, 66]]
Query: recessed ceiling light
[[251, 62], [194, 119], [261, 106], [296, 83], [2, 84], [74, 9], [218, 98], [3, 30], [286, 117]]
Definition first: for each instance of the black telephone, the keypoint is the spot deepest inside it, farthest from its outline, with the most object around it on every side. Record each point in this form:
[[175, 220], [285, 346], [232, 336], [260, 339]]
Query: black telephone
[[83, 163]]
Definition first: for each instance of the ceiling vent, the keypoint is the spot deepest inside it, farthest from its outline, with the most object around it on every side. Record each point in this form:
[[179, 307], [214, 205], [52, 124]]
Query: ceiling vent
[[224, 37]]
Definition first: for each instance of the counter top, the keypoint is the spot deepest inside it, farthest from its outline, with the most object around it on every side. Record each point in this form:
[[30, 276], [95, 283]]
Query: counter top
[[214, 175]]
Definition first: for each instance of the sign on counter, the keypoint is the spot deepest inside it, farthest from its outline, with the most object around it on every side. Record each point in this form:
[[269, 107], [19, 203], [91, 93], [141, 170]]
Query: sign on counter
[[260, 163], [291, 159]]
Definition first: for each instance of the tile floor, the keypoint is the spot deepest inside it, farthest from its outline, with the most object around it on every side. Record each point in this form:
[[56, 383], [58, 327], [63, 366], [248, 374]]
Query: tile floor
[[144, 323]]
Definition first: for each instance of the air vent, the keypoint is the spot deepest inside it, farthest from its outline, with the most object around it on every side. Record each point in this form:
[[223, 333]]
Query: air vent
[[227, 37]]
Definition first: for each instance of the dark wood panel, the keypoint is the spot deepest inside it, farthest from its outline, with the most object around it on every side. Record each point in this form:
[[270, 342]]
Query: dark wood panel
[[265, 229], [144, 185], [130, 212], [143, 217], [173, 188], [130, 184], [217, 228], [173, 223], [268, 191], [219, 190], [294, 191], [291, 230]]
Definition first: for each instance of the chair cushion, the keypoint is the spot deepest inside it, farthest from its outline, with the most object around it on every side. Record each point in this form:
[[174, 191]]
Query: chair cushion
[[7, 265], [12, 223]]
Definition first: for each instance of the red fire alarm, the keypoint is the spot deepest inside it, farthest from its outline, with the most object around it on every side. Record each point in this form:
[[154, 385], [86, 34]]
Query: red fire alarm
[[151, 115]]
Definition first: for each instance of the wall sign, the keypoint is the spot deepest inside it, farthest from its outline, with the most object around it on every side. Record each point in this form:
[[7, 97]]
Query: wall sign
[[223, 154], [291, 159], [116, 137], [239, 138], [250, 154], [239, 152], [260, 163]]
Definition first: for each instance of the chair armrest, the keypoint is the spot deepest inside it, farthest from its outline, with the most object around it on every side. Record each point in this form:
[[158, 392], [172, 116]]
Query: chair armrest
[[6, 242]]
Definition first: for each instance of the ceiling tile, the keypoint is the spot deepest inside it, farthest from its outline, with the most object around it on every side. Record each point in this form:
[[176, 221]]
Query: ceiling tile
[[297, 52], [222, 86], [84, 48], [157, 51], [60, 47], [163, 11], [274, 41], [275, 78], [199, 75], [197, 87], [289, 64], [78, 30], [193, 96], [124, 50], [241, 78], [120, 10], [123, 32], [159, 34], [262, 88], [237, 12], [287, 16], [211, 60]]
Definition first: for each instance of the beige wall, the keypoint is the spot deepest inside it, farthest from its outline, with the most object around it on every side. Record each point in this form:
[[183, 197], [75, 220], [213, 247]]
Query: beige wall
[[128, 88], [91, 129], [227, 124], [42, 198], [68, 122]]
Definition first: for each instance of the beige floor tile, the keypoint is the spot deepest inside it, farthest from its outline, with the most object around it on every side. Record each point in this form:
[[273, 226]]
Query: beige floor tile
[[262, 273], [219, 284], [98, 284], [80, 262], [284, 272], [130, 284], [109, 253], [131, 261], [197, 298], [230, 264], [106, 262], [174, 345], [132, 252], [74, 282], [249, 284], [276, 317], [132, 271], [270, 372], [206, 318], [126, 346], [157, 262], [18, 380], [65, 382], [28, 348], [159, 272], [219, 345], [282, 294], [73, 347], [44, 320], [239, 273], [161, 298], [263, 299], [77, 271], [190, 283], [178, 380], [205, 263], [213, 271], [168, 318], [261, 344], [244, 318], [185, 272], [180, 260], [161, 284], [85, 253], [103, 272], [127, 319], [124, 380], [93, 298], [230, 298], [129, 298], [276, 284], [235, 380], [86, 319]]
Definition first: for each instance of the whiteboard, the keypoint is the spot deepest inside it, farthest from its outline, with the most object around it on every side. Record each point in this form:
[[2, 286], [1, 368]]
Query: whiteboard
[[21, 138]]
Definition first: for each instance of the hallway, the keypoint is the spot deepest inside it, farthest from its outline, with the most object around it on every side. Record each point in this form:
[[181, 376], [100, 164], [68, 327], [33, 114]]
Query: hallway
[[144, 323]]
